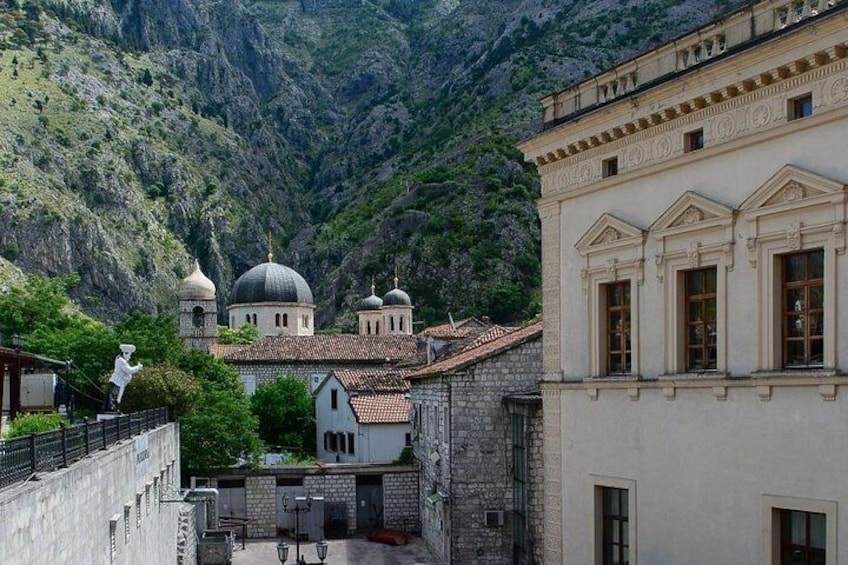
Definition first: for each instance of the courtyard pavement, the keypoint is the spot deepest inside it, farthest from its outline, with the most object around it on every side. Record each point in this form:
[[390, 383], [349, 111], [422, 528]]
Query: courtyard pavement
[[351, 551]]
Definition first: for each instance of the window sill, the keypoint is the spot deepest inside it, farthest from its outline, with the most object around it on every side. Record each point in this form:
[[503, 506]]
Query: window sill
[[693, 376], [801, 372], [613, 379]]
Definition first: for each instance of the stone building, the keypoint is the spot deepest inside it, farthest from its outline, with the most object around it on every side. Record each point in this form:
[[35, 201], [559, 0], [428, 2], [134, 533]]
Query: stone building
[[476, 435], [693, 245], [391, 315]]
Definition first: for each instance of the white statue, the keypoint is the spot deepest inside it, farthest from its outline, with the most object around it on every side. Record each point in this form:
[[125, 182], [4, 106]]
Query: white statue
[[121, 377]]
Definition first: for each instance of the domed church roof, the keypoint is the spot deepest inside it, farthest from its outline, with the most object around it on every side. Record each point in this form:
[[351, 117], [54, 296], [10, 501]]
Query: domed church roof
[[396, 297], [372, 302], [271, 282], [197, 286]]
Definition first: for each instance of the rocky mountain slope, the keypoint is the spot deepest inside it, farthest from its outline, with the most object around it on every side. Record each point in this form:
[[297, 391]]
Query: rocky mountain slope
[[366, 137]]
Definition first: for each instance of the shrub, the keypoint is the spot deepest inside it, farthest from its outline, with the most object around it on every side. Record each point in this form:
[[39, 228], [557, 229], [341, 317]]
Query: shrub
[[27, 424]]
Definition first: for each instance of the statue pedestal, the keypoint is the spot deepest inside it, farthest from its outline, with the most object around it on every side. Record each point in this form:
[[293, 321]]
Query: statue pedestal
[[107, 416]]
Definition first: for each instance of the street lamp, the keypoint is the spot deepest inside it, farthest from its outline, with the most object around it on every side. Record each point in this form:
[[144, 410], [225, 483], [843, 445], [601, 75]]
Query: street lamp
[[283, 547]]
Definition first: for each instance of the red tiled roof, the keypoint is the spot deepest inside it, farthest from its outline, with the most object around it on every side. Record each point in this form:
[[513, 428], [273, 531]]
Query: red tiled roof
[[380, 408], [221, 350], [495, 332], [481, 352], [458, 330], [349, 348], [372, 380]]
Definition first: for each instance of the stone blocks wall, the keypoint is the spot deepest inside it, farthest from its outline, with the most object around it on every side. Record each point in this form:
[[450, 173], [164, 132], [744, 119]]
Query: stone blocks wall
[[187, 535], [103, 509], [335, 489], [261, 493], [400, 502]]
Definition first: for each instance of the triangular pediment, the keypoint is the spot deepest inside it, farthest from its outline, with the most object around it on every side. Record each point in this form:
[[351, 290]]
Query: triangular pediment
[[791, 186], [607, 232], [692, 211]]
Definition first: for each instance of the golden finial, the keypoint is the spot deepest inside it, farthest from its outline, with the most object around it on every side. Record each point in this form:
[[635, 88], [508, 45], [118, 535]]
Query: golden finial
[[373, 286], [270, 245], [396, 277]]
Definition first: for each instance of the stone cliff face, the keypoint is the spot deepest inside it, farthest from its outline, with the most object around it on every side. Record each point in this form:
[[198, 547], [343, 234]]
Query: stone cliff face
[[365, 136]]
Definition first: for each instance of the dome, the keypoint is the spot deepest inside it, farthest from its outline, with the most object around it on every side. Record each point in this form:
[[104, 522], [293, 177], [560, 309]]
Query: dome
[[197, 286], [372, 302], [396, 297], [271, 282]]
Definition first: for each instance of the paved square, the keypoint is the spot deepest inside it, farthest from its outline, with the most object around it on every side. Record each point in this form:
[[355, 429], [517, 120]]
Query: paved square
[[352, 551]]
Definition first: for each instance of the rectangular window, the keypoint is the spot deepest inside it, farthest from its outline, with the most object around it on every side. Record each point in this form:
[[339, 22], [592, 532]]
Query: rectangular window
[[333, 443], [350, 444], [326, 441], [407, 439], [700, 312], [801, 107], [803, 538], [693, 140], [803, 309], [334, 399], [615, 526], [519, 490], [342, 442], [609, 167], [618, 328]]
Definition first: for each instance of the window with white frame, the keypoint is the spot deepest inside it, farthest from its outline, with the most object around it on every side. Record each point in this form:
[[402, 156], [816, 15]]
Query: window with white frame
[[614, 520], [696, 237], [795, 224], [799, 531], [613, 271]]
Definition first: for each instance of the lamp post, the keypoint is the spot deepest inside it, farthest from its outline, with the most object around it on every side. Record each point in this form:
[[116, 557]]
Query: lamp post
[[283, 547]]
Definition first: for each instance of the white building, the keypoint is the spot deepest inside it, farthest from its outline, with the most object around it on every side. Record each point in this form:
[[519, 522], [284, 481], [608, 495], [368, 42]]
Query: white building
[[362, 416], [693, 221]]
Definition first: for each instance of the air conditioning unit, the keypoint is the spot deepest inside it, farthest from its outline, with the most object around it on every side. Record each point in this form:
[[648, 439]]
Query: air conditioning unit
[[493, 518]]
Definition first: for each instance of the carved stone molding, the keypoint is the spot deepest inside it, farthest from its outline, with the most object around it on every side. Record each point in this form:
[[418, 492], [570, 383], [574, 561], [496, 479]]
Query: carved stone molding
[[751, 244], [669, 392], [720, 392], [633, 393], [693, 254], [592, 392], [828, 392], [764, 393]]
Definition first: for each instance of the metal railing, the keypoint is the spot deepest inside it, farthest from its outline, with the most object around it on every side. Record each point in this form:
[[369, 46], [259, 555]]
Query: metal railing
[[22, 457]]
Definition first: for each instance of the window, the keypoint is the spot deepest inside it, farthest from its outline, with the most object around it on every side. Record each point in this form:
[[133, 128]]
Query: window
[[407, 439], [391, 323], [700, 311], [618, 328], [334, 399], [377, 328], [519, 489], [277, 320], [615, 526], [801, 107], [803, 309], [350, 444], [197, 317], [305, 321], [247, 318], [803, 538], [368, 327], [609, 167], [693, 140], [342, 442], [285, 320], [254, 319], [333, 442], [401, 323]]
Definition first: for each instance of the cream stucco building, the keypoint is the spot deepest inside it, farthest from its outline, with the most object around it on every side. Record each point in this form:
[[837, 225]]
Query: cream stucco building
[[694, 276]]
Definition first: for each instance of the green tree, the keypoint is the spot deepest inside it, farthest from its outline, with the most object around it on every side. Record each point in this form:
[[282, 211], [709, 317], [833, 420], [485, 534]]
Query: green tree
[[211, 372], [219, 433], [155, 336], [285, 411], [146, 78], [39, 302], [245, 335], [162, 385]]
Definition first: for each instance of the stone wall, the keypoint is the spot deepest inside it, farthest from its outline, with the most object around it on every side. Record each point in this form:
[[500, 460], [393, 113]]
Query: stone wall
[[400, 502], [187, 535], [340, 489], [536, 485], [104, 509], [261, 493]]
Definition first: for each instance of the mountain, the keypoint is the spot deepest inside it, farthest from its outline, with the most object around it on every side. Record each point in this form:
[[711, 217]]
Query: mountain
[[362, 138]]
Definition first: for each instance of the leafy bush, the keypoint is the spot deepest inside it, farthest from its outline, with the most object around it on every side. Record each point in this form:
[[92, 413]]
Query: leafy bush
[[406, 457], [285, 412], [27, 424], [163, 385]]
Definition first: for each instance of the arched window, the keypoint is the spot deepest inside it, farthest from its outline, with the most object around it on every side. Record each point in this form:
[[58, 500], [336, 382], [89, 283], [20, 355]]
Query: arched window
[[197, 317], [377, 330], [277, 320], [401, 323], [391, 323], [306, 321], [285, 320], [247, 318], [368, 327], [254, 319]]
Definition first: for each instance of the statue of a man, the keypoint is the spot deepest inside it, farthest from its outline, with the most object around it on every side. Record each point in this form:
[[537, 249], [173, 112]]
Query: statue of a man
[[121, 377]]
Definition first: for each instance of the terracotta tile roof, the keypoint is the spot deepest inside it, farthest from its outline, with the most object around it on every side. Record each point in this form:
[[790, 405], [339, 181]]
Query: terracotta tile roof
[[462, 329], [372, 380], [481, 352], [495, 332], [349, 348], [380, 408], [221, 350]]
